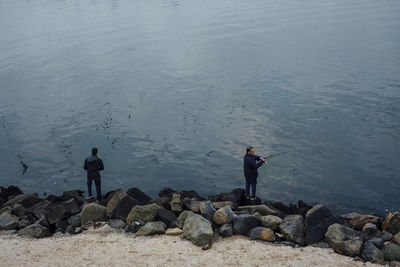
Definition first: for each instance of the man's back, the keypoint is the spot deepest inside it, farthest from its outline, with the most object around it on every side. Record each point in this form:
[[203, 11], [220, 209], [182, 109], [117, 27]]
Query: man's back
[[93, 165]]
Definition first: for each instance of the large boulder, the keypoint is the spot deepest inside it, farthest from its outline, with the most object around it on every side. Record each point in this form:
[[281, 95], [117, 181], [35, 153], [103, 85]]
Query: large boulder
[[26, 200], [391, 252], [391, 223], [145, 213], [226, 230], [371, 253], [3, 193], [280, 207], [317, 222], [8, 221], [271, 221], [166, 216], [117, 223], [78, 194], [35, 230], [92, 213], [176, 203], [166, 192], [162, 201], [359, 221], [40, 208], [236, 196], [344, 240], [207, 210], [180, 222], [261, 233], [262, 209], [198, 230], [139, 196], [242, 224], [120, 205], [192, 204], [224, 215], [396, 238], [152, 228], [292, 228], [13, 191], [62, 210], [26, 220]]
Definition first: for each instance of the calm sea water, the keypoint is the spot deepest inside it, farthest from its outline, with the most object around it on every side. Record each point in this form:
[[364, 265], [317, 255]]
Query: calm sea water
[[171, 92]]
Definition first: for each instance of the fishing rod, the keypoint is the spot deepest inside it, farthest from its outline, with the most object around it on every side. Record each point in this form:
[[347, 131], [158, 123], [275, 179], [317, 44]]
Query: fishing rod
[[277, 154]]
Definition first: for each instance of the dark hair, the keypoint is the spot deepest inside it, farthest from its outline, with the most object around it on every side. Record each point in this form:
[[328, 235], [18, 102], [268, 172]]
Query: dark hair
[[249, 148], [94, 151]]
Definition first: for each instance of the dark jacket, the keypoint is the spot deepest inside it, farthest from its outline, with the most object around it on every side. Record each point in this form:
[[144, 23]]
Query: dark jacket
[[93, 165], [250, 165]]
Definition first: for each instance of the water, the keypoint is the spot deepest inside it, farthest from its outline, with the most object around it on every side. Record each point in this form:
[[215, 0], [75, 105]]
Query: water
[[173, 91]]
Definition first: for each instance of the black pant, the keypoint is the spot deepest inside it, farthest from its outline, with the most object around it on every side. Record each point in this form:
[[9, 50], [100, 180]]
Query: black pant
[[97, 182]]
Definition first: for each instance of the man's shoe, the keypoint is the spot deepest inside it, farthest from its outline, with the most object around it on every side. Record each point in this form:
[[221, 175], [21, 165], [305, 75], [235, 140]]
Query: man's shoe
[[253, 198], [247, 198]]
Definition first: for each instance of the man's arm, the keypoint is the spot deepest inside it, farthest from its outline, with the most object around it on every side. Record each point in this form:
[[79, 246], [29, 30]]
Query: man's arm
[[101, 166]]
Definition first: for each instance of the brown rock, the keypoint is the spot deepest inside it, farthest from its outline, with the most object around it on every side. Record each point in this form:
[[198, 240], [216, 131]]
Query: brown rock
[[359, 221]]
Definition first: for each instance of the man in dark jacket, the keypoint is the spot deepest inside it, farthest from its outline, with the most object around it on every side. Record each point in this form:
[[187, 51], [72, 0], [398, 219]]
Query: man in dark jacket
[[251, 163], [93, 165]]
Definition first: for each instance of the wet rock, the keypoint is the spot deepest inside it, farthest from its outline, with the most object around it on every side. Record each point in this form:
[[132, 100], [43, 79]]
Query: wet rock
[[236, 196], [92, 213], [317, 222], [292, 228], [198, 230], [359, 221], [208, 210], [26, 200], [192, 204], [226, 230], [152, 228], [224, 215], [40, 208], [391, 223], [116, 224], [262, 209], [174, 232], [371, 253], [145, 213], [261, 233], [271, 221], [391, 252], [180, 222], [396, 238], [133, 227], [162, 201], [166, 216], [35, 230], [8, 221], [139, 196], [369, 228], [120, 205], [14, 191], [242, 224], [176, 203], [75, 220]]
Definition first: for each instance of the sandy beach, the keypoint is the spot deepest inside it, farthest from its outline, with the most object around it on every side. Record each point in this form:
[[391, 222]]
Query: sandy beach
[[108, 247]]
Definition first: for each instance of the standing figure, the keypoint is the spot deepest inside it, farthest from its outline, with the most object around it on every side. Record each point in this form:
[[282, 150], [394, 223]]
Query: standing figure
[[251, 163], [93, 165]]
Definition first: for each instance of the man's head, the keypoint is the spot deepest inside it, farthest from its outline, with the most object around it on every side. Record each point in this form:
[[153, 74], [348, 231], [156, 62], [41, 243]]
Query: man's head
[[250, 150], [94, 151]]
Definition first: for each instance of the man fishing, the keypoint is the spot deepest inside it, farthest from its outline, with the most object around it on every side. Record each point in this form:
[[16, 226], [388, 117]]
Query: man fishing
[[93, 165], [251, 163]]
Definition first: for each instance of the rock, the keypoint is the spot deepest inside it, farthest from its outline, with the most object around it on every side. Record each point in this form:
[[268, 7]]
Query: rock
[[192, 204], [139, 196], [236, 196], [226, 230], [369, 228], [337, 233], [386, 236], [92, 213], [191, 194], [317, 222], [3, 193], [350, 216], [271, 221], [63, 210], [35, 230], [26, 220], [221, 204], [120, 205], [280, 207], [371, 253], [180, 222], [303, 208], [198, 230], [224, 215], [152, 228], [40, 208], [242, 224], [107, 197], [43, 221], [72, 206], [394, 264], [377, 241], [133, 227], [77, 194], [70, 229], [292, 228], [166, 216], [53, 198], [396, 238], [166, 192], [26, 200], [2, 201], [162, 201], [261, 233], [61, 226], [391, 252], [78, 230], [18, 210], [14, 191], [391, 223], [207, 210], [174, 232], [359, 221], [350, 248], [116, 224], [176, 203], [262, 209], [8, 221], [146, 213], [75, 220]]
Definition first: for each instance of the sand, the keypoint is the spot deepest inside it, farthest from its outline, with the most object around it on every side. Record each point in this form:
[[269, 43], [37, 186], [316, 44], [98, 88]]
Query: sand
[[108, 247]]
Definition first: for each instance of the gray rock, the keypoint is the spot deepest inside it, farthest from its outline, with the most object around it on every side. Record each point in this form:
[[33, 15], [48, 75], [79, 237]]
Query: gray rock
[[192, 204], [146, 213], [207, 210], [133, 227], [391, 252], [166, 216], [120, 205], [396, 238], [226, 230], [61, 226], [40, 208], [139, 196], [117, 223], [26, 200], [92, 213], [75, 220], [261, 233], [8, 221], [72, 206], [70, 229], [371, 253], [26, 220], [224, 215], [262, 209], [35, 230], [62, 210], [350, 247], [386, 236], [180, 222], [198, 230], [242, 224], [338, 233], [152, 228], [271, 221], [292, 228], [391, 223], [317, 222], [162, 201], [369, 228], [43, 221], [176, 203], [378, 242], [236, 196]]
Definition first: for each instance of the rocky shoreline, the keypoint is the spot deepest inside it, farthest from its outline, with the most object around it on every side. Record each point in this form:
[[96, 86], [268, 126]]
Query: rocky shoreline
[[366, 237]]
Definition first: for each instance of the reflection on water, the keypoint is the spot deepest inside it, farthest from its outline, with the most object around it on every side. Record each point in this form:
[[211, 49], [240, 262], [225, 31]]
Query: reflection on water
[[173, 91]]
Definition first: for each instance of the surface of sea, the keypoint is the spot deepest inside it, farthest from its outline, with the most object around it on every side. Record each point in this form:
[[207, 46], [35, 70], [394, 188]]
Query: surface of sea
[[172, 92]]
